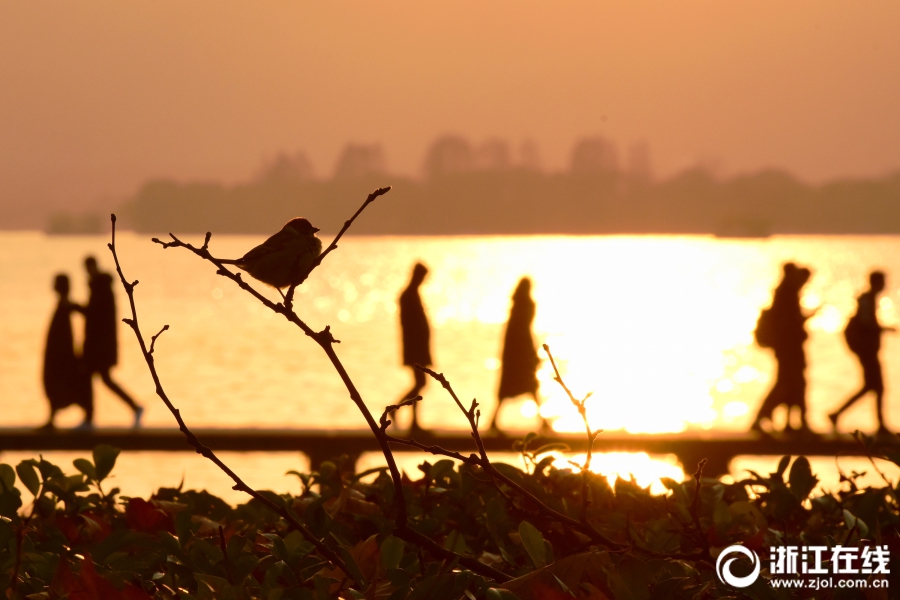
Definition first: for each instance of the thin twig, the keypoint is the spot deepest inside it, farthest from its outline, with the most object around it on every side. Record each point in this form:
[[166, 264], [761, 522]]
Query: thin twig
[[326, 341], [695, 505], [591, 437], [860, 439], [153, 339], [225, 560], [240, 485], [485, 463], [289, 297]]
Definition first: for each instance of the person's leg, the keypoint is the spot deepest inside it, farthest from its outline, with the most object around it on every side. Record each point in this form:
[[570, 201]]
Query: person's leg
[[871, 382], [417, 387], [769, 404], [88, 408], [49, 426], [494, 427], [108, 381], [875, 381], [546, 427]]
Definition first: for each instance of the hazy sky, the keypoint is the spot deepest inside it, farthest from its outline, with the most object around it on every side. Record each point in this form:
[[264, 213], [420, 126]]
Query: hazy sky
[[96, 97]]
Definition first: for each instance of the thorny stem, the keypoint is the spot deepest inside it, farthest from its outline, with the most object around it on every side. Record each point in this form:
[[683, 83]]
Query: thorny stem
[[240, 485], [861, 440], [591, 436], [289, 297], [326, 341], [485, 463], [695, 503], [20, 538], [225, 560]]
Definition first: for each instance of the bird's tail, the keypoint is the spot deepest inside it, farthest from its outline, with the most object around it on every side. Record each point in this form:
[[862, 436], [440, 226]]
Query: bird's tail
[[229, 261]]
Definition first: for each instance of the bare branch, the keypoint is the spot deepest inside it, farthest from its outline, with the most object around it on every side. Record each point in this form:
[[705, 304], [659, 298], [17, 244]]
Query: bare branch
[[240, 485], [591, 436], [154, 338], [326, 341], [333, 245], [695, 505]]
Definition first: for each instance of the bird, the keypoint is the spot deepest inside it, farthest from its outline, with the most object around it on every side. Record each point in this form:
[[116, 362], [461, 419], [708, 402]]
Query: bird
[[284, 259]]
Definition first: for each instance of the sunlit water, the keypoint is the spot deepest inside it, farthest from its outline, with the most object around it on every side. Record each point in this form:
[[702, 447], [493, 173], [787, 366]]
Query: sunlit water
[[659, 328]]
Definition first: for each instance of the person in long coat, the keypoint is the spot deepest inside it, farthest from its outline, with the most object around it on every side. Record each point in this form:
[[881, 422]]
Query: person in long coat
[[416, 336], [788, 336], [519, 360], [101, 346], [67, 380]]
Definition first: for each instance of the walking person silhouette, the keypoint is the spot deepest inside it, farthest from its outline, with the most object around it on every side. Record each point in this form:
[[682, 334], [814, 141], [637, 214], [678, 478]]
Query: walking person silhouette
[[67, 380], [519, 360], [863, 335], [416, 336], [781, 327], [101, 347]]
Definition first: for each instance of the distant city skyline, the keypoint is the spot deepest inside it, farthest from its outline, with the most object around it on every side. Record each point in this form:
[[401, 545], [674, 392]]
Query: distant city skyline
[[100, 97]]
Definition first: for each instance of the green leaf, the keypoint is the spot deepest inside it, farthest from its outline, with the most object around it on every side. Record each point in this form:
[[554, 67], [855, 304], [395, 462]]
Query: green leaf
[[10, 499], [104, 460], [534, 543], [28, 476], [7, 477], [352, 566], [498, 594], [853, 521], [86, 467], [441, 468], [455, 542], [558, 446], [782, 466], [801, 479], [391, 552]]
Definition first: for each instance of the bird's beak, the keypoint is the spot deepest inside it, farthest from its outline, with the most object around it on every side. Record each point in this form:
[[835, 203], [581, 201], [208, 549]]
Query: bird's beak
[[315, 229]]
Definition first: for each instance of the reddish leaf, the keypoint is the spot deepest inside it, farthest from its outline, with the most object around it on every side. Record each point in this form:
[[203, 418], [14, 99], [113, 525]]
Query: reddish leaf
[[87, 584], [144, 516]]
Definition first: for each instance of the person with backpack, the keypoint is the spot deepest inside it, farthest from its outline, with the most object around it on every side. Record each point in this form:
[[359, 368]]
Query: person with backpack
[[863, 335], [782, 327]]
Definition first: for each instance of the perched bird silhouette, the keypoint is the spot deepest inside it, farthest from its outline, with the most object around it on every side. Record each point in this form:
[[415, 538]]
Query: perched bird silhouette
[[284, 259]]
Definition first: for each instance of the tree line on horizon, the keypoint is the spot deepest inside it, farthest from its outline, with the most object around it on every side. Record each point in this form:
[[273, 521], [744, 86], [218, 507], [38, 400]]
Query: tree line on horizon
[[492, 189]]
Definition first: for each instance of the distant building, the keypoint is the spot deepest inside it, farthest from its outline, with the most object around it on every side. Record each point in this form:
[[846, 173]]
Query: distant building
[[529, 156], [594, 155], [639, 166], [358, 160], [493, 155], [448, 154], [285, 169]]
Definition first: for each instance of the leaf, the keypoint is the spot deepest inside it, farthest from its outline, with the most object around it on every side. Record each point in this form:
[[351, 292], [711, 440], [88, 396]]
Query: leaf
[[441, 469], [10, 501], [28, 476], [782, 466], [104, 460], [455, 542], [391, 552], [558, 446], [853, 521], [499, 594], [574, 571], [350, 562], [86, 467], [534, 543], [801, 479], [7, 477]]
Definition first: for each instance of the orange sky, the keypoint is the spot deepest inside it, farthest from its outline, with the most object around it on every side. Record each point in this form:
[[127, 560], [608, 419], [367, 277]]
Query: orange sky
[[96, 97]]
